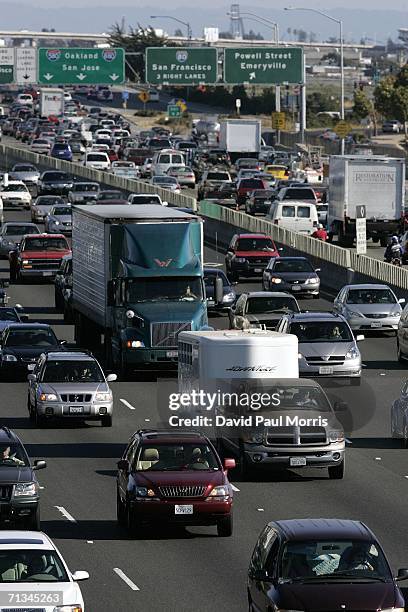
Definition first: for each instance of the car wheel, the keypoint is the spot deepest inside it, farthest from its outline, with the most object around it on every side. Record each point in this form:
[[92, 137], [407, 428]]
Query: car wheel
[[225, 527], [400, 355], [316, 296], [244, 467], [106, 421], [38, 419], [13, 274], [33, 522], [131, 525], [57, 300], [336, 472], [120, 511], [30, 409], [404, 441]]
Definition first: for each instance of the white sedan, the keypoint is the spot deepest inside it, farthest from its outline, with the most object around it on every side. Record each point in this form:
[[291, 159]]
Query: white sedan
[[33, 573]]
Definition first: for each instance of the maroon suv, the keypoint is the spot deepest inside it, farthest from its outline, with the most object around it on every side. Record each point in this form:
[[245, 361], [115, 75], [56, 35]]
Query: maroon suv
[[173, 477]]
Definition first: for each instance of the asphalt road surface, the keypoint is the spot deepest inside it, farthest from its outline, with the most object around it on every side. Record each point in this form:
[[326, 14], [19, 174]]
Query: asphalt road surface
[[191, 569]]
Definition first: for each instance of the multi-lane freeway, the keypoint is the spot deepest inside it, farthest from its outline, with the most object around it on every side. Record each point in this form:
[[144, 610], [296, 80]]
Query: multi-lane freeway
[[191, 569]]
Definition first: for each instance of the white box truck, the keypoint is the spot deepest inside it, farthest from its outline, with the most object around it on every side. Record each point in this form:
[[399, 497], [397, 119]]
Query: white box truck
[[241, 137], [376, 182], [51, 102]]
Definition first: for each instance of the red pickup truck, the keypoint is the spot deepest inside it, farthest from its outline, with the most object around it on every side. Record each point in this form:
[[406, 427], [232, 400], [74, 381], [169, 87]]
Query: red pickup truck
[[38, 256]]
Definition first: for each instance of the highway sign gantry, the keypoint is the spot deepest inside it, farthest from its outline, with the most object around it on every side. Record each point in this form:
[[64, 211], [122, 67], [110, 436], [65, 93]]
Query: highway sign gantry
[[25, 65], [6, 65], [263, 66], [181, 66], [81, 66]]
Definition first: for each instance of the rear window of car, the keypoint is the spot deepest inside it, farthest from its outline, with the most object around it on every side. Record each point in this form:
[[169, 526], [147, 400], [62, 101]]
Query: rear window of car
[[98, 157], [304, 212], [251, 183], [218, 176], [300, 194], [21, 230]]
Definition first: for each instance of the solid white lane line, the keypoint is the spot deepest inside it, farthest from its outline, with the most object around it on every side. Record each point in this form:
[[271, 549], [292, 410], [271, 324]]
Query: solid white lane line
[[125, 403], [65, 513], [234, 488], [126, 579]]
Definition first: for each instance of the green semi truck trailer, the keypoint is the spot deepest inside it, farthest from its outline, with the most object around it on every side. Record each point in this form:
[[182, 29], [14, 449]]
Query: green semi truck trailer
[[137, 281]]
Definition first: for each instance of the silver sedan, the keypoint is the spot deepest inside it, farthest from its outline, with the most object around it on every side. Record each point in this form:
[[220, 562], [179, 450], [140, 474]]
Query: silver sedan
[[59, 220]]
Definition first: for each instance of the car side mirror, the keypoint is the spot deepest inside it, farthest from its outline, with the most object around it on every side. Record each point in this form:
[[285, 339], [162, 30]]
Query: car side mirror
[[340, 406], [24, 317], [218, 290], [401, 301], [63, 342], [360, 338], [111, 377], [260, 575], [318, 269], [123, 464], [39, 464], [80, 575], [402, 574], [229, 464]]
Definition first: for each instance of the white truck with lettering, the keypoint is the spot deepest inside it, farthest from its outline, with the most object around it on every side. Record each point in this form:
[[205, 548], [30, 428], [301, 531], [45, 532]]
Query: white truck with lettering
[[51, 102], [376, 182]]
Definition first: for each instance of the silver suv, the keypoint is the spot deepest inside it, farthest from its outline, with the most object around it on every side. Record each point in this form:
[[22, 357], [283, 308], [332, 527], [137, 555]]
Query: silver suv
[[69, 385], [326, 344]]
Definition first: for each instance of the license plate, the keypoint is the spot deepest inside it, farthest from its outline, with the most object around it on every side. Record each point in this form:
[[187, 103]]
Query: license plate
[[258, 270], [297, 461], [295, 288], [172, 354], [184, 509], [376, 324], [210, 302], [76, 409], [325, 370], [48, 273]]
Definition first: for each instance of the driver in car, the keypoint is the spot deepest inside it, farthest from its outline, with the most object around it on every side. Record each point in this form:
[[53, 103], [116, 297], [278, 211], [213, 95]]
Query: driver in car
[[6, 455]]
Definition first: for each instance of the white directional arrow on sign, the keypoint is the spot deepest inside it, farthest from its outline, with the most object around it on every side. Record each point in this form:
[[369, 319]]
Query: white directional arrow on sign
[[114, 77], [252, 76], [81, 76], [25, 65], [48, 76]]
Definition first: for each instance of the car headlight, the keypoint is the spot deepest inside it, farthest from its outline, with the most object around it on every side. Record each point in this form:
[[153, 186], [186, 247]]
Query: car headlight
[[74, 608], [221, 491], [300, 356], [253, 438], [240, 259], [48, 397], [25, 262], [8, 358], [55, 222], [336, 435], [354, 313], [135, 344], [25, 488], [276, 280], [228, 297], [393, 610], [144, 492], [395, 313], [353, 353], [103, 397], [310, 281]]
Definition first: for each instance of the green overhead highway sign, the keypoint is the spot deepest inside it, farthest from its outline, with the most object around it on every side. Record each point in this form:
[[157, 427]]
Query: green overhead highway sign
[[81, 66], [174, 110], [6, 65], [263, 66], [181, 66]]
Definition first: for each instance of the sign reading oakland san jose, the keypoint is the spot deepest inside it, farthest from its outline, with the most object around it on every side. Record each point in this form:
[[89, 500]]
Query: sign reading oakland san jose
[[181, 66], [265, 66], [81, 66]]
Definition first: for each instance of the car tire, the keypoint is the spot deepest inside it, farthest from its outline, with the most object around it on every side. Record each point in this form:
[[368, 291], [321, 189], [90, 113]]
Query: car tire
[[120, 511], [336, 472], [39, 420], [33, 522], [316, 296], [225, 527], [131, 524], [106, 421], [400, 354], [13, 274], [57, 300]]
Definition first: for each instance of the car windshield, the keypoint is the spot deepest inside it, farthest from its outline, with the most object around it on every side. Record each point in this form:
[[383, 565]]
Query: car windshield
[[300, 194], [85, 371], [371, 296], [31, 565], [8, 314], [255, 244], [261, 305], [295, 265], [164, 289], [46, 244], [86, 187], [12, 455], [175, 457], [315, 560], [46, 201], [111, 195], [165, 180], [56, 176], [218, 176], [263, 194], [251, 183], [14, 188], [145, 199], [97, 157], [61, 211], [61, 147], [30, 338], [24, 169], [20, 230], [321, 331]]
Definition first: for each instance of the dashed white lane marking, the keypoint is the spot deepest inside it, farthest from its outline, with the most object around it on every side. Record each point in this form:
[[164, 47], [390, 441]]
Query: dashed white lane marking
[[126, 579], [378, 458], [65, 513], [41, 488], [147, 420], [260, 510], [89, 541], [234, 488], [126, 403]]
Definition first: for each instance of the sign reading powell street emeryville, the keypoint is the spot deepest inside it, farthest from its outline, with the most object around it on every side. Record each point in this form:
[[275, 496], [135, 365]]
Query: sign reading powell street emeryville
[[266, 65]]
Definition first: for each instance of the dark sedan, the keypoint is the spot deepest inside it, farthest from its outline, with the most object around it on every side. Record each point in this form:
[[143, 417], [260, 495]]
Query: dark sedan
[[293, 274], [260, 201], [23, 343], [321, 564], [229, 295], [55, 182]]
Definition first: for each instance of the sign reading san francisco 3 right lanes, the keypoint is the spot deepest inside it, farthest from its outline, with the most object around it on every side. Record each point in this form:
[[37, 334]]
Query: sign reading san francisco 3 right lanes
[[263, 66]]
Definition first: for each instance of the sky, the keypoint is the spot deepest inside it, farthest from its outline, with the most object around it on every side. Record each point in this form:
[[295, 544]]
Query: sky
[[328, 5]]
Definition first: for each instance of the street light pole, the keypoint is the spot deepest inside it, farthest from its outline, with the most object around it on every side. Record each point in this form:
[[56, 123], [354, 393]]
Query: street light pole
[[184, 23], [266, 21], [340, 23]]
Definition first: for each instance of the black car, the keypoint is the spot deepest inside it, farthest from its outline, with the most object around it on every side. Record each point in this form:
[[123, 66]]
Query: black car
[[229, 295], [63, 288], [293, 274], [23, 343], [260, 201], [19, 489], [55, 182], [321, 564], [259, 309]]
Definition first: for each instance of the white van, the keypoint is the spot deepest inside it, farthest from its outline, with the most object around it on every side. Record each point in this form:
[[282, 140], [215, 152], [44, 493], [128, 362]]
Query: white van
[[164, 159], [98, 160], [297, 216]]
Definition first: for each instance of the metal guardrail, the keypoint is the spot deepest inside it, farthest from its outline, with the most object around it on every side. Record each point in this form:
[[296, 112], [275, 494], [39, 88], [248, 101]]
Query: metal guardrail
[[99, 176], [368, 266]]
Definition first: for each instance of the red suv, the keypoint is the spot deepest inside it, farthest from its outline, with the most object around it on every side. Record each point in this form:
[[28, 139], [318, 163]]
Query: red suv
[[247, 185], [173, 477], [38, 256], [249, 255]]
